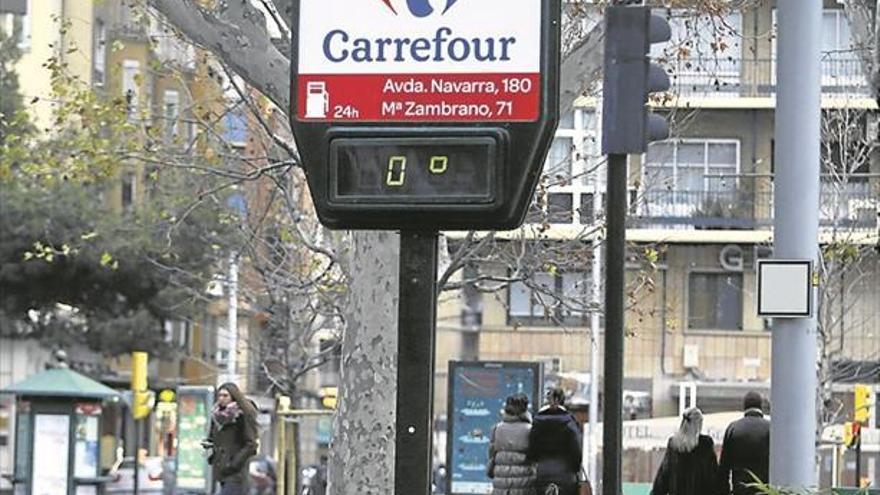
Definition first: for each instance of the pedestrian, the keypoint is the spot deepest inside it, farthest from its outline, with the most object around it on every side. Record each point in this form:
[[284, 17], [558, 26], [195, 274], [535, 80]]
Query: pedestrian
[[746, 449], [689, 466], [555, 444], [508, 467], [232, 438]]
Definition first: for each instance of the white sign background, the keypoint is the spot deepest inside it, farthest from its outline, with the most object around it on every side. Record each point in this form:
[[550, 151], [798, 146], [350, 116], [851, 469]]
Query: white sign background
[[51, 450], [784, 288], [468, 19]]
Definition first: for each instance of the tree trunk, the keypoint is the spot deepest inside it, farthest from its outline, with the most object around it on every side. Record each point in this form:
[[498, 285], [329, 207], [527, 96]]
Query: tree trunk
[[362, 453]]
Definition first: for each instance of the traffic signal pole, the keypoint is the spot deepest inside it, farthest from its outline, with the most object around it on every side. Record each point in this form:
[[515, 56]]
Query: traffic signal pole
[[415, 362], [615, 259], [795, 229], [627, 127]]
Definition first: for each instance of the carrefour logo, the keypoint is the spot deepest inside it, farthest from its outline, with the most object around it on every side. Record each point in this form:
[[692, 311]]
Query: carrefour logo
[[420, 8], [440, 45]]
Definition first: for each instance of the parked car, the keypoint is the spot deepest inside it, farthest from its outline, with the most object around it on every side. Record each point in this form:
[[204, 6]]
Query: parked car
[[149, 476]]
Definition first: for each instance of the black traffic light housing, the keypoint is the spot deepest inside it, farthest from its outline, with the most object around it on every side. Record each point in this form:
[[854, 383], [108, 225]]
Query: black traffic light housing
[[630, 77]]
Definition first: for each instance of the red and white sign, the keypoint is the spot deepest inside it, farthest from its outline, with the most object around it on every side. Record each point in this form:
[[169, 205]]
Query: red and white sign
[[419, 60]]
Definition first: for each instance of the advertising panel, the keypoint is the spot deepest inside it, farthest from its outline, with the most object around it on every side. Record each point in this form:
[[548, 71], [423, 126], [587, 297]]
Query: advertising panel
[[193, 417], [477, 391]]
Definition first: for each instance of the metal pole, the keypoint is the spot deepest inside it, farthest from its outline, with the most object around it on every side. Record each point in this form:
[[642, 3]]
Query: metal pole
[[232, 314], [859, 461], [615, 259], [415, 362], [795, 226], [592, 447], [137, 448]]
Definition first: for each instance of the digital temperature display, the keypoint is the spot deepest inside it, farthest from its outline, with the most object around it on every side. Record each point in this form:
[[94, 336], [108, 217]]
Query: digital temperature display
[[413, 170]]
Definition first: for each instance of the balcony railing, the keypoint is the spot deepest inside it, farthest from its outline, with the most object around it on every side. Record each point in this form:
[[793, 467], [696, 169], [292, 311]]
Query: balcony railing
[[853, 205], [730, 77]]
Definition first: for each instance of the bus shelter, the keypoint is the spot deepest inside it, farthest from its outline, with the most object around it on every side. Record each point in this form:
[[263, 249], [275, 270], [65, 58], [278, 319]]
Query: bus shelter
[[57, 425]]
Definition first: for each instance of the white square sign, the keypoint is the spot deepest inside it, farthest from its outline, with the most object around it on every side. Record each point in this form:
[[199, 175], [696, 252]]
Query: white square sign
[[785, 288]]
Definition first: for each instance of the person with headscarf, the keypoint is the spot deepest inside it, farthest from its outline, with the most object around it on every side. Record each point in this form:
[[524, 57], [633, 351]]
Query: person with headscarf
[[689, 466], [556, 445], [232, 438], [510, 470]]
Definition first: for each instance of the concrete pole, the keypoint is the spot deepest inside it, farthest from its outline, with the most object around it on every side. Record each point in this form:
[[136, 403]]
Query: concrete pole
[[592, 444], [795, 227], [231, 338], [592, 447]]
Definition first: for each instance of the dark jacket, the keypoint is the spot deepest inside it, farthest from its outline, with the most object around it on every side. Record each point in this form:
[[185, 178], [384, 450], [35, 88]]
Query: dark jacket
[[688, 473], [746, 448], [556, 445], [234, 444], [511, 472]]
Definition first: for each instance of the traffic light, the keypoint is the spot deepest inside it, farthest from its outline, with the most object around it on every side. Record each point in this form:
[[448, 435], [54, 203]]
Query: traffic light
[[630, 78], [862, 404], [141, 398], [852, 432], [329, 397]]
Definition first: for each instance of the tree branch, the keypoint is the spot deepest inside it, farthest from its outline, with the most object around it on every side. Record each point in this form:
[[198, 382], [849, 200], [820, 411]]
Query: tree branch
[[256, 60]]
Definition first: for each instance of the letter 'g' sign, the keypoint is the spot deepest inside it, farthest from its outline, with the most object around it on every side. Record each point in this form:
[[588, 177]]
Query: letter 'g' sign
[[434, 114]]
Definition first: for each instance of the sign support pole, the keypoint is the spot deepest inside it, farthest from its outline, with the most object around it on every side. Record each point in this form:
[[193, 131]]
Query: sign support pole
[[415, 366], [615, 264]]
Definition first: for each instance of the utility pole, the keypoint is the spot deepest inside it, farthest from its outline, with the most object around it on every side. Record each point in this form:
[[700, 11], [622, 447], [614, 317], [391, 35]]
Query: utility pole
[[592, 448], [232, 315], [795, 228]]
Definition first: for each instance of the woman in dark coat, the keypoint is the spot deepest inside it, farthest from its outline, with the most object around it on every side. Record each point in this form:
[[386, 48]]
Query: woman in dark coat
[[511, 472], [689, 466], [556, 445], [233, 438]]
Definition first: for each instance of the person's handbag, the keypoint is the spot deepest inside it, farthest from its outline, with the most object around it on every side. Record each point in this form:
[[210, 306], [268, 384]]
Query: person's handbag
[[584, 486]]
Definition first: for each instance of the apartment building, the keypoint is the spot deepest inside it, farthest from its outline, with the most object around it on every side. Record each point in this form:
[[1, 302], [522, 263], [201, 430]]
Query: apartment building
[[119, 49], [701, 210]]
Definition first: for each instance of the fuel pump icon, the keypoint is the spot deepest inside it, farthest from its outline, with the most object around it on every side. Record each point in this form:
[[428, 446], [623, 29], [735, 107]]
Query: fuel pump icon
[[317, 100]]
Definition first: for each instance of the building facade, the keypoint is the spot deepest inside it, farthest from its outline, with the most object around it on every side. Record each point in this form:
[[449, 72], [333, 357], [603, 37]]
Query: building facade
[[700, 216]]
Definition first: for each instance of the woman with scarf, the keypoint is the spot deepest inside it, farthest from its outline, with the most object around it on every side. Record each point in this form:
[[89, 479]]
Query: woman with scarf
[[689, 466], [233, 438]]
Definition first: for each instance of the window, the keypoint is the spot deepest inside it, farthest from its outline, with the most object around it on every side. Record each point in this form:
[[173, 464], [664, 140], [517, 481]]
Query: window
[[841, 67], [171, 114], [560, 208], [715, 301], [558, 165], [704, 52], [15, 21], [130, 85], [692, 165], [100, 53], [127, 191], [549, 299], [235, 122]]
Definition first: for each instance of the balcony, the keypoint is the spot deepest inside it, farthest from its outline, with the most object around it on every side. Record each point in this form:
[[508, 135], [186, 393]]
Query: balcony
[[736, 78], [749, 206]]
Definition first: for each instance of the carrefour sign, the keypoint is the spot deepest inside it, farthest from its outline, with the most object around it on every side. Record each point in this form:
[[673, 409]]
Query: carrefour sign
[[419, 60]]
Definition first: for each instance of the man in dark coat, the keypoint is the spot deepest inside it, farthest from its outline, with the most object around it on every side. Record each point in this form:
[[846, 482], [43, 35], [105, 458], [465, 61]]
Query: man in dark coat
[[689, 466], [746, 449], [556, 445]]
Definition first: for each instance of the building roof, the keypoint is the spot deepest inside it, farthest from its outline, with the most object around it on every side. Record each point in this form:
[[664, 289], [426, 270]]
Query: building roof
[[60, 382]]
